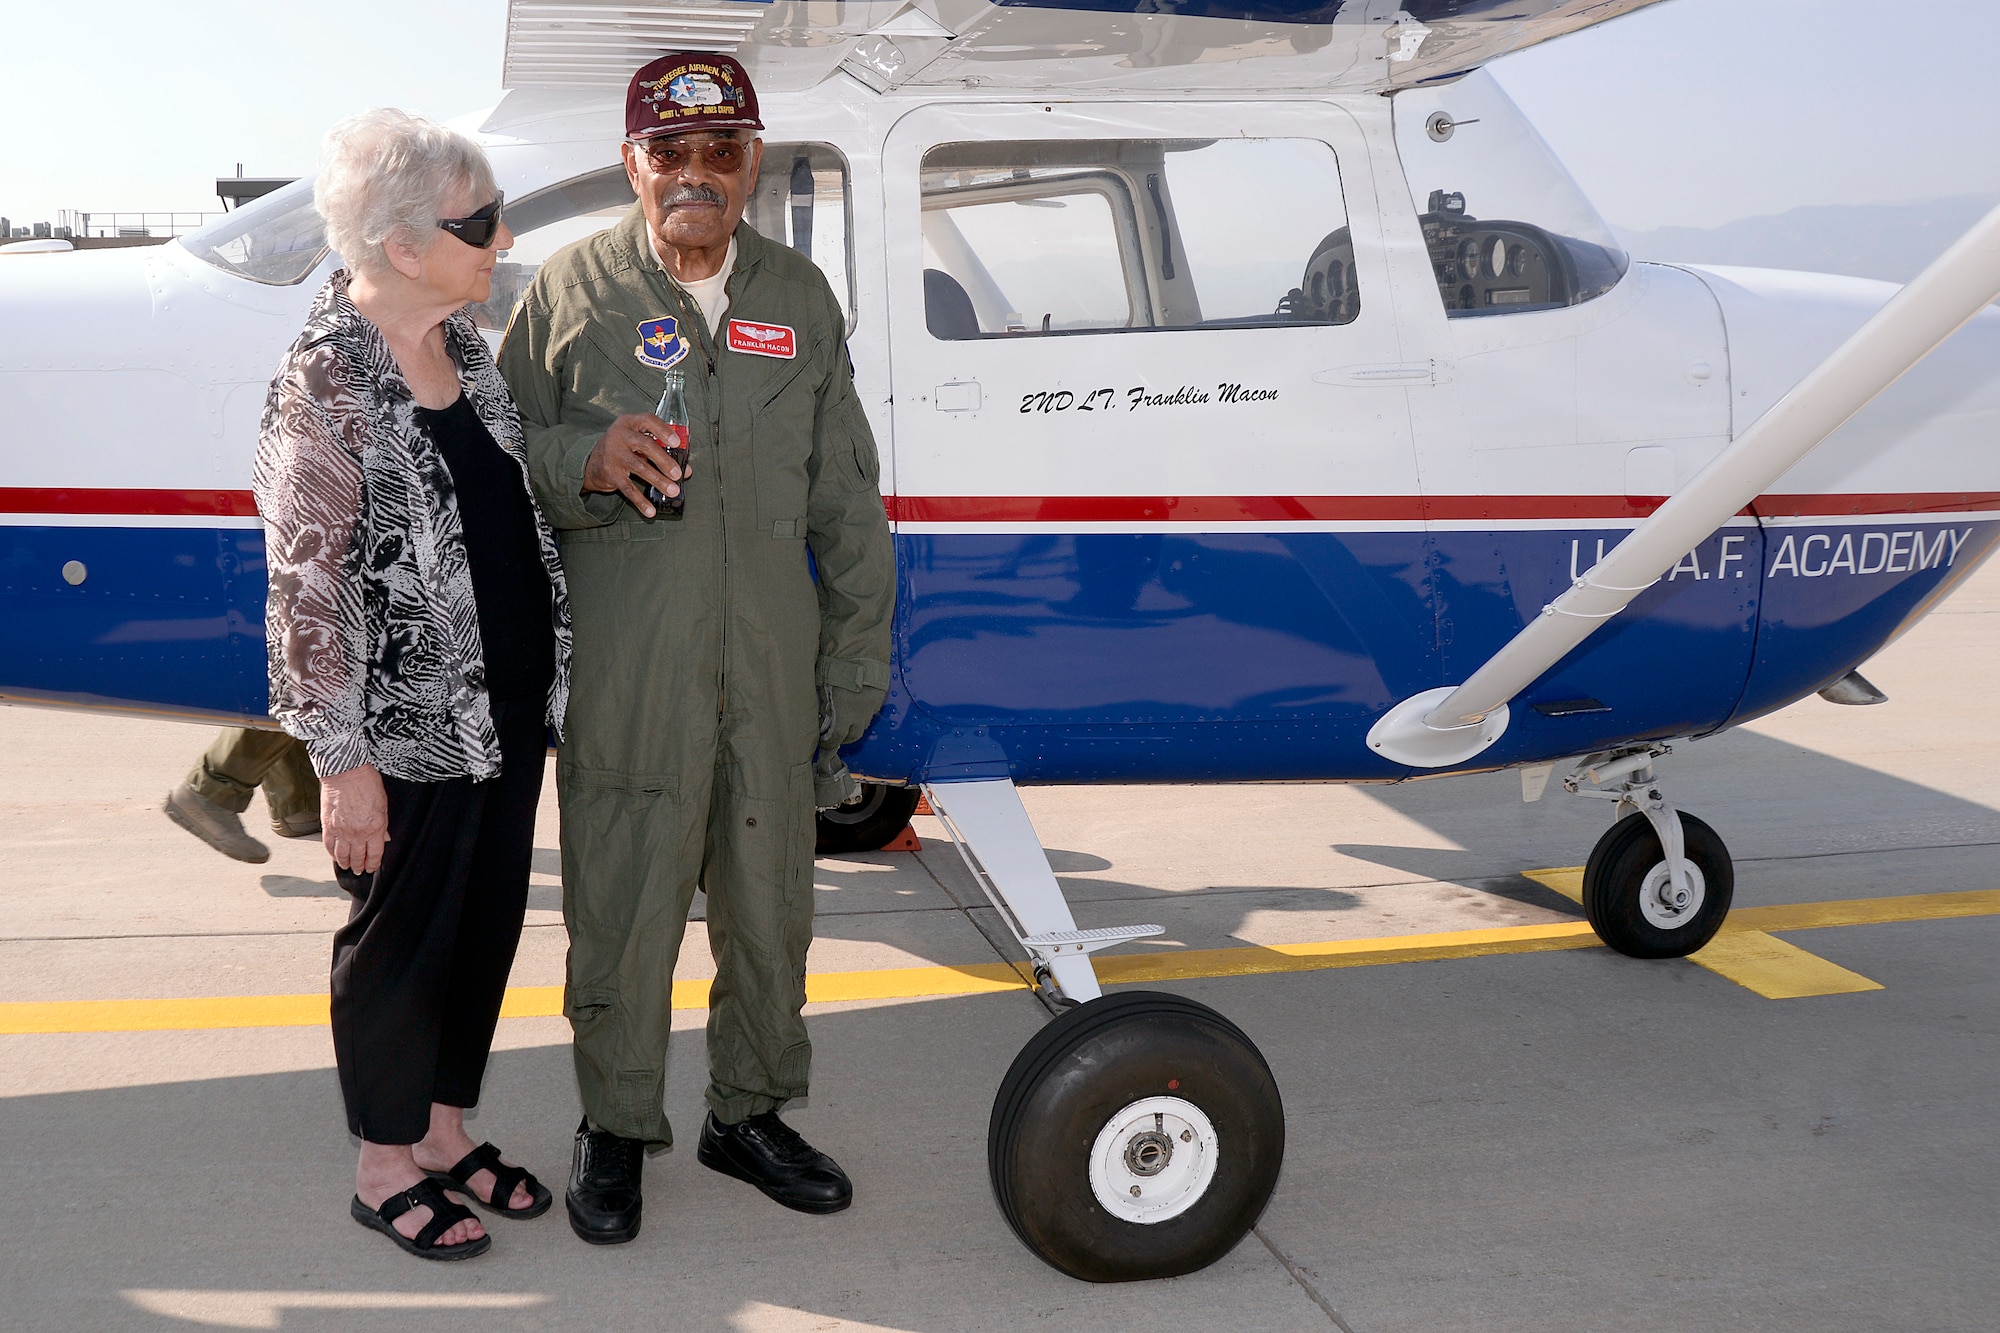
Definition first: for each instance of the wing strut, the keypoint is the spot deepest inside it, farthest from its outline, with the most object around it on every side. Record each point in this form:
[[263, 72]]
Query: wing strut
[[1447, 726]]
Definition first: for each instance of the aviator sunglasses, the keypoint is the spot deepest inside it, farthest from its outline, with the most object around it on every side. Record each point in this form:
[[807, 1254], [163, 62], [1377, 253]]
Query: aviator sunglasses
[[478, 230], [724, 157]]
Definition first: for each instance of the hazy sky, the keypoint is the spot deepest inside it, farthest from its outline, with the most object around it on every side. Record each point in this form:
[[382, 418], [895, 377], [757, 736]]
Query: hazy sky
[[1695, 112], [1692, 112]]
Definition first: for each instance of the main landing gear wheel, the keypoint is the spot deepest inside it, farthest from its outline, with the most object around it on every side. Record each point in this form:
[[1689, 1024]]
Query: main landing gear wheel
[[1628, 899], [1136, 1136], [868, 823]]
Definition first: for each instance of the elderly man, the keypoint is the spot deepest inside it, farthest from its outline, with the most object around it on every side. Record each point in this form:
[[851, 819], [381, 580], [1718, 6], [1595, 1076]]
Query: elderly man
[[717, 649]]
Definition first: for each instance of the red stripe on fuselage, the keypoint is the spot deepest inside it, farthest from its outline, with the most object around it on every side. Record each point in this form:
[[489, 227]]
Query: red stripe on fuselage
[[1915, 502], [127, 503], [1255, 508], [1059, 509]]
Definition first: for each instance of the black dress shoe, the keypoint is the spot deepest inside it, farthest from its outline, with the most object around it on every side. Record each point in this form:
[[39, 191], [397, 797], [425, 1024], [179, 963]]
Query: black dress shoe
[[603, 1194], [769, 1153]]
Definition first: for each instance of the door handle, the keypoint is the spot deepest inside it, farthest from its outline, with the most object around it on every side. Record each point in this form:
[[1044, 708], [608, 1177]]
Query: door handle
[[958, 396], [1433, 371]]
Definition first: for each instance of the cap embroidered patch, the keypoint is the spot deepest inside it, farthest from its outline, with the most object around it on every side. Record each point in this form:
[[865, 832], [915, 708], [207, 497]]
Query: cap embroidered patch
[[695, 89], [762, 339], [660, 344], [692, 91]]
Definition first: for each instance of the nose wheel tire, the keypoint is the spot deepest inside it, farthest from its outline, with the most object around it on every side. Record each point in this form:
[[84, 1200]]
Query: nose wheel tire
[[868, 823], [1136, 1136], [1632, 906]]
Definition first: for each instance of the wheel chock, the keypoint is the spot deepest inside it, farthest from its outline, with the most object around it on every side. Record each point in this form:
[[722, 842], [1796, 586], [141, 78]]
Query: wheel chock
[[923, 806], [906, 841]]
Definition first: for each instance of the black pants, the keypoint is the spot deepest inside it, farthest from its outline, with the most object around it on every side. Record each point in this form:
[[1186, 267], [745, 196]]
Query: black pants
[[421, 965]]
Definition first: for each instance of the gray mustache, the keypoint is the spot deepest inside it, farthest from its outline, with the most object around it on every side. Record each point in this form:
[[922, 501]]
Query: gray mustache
[[695, 194]]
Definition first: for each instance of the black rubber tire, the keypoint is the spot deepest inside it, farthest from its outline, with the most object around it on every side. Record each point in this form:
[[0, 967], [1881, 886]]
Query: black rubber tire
[[869, 824], [1618, 867], [1081, 1070]]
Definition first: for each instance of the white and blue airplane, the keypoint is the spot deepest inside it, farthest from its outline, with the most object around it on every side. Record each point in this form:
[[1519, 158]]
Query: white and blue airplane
[[1259, 399]]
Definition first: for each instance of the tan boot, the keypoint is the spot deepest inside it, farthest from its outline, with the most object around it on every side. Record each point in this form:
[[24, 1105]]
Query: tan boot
[[219, 828]]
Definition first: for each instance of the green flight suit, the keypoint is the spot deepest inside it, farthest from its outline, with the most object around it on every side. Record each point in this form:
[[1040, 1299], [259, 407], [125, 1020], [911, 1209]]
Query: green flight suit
[[241, 759], [702, 647]]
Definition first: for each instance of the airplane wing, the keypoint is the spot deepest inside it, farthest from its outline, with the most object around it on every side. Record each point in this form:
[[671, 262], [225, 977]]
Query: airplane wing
[[1067, 45]]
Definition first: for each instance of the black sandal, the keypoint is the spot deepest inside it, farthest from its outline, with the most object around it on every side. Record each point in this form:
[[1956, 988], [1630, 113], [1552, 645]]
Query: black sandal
[[444, 1216], [486, 1157]]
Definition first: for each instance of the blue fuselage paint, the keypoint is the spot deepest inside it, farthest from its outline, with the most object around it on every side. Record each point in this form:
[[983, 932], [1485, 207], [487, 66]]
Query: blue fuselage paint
[[1133, 657], [165, 619]]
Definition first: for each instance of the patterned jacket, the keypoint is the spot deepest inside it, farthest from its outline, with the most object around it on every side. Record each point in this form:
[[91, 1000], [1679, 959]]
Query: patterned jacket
[[370, 623]]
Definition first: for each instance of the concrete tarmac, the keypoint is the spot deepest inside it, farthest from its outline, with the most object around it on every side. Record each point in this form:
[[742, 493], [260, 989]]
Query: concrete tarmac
[[1530, 1140]]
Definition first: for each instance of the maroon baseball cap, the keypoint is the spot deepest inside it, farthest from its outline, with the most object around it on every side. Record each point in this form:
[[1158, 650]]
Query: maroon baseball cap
[[690, 90]]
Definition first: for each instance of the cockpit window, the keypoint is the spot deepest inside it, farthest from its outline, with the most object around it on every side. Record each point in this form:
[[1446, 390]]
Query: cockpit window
[[1101, 236], [1507, 228], [803, 200], [276, 240]]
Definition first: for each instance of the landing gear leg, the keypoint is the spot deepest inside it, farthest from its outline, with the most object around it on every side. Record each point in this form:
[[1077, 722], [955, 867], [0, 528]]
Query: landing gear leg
[[1138, 1135], [1659, 882]]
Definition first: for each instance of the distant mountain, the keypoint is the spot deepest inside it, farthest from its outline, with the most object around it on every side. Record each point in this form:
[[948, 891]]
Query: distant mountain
[[1892, 241]]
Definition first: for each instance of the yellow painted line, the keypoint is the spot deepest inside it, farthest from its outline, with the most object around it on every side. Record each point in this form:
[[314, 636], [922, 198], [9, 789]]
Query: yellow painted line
[[1868, 911], [902, 983], [1745, 951], [899, 983], [221, 1011], [895, 983], [1566, 880], [1775, 969], [907, 983], [1123, 969], [1757, 961]]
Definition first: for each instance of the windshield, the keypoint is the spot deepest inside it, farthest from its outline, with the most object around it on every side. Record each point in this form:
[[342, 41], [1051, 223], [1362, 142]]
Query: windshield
[[1507, 228], [275, 240]]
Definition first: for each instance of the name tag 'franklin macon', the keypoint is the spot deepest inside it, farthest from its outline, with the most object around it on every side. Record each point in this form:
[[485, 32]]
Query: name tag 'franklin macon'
[[762, 339]]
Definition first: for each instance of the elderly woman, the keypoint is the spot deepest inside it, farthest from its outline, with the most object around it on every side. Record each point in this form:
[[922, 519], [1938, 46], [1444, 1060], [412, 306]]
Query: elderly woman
[[419, 645]]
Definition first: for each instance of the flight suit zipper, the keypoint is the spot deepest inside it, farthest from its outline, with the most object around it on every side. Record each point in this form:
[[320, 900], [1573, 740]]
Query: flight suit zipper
[[711, 401]]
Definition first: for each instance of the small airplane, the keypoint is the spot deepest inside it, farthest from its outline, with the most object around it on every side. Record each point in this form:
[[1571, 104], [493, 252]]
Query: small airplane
[[1259, 400]]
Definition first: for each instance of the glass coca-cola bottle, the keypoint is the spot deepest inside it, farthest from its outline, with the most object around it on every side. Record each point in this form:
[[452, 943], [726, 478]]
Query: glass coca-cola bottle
[[673, 410]]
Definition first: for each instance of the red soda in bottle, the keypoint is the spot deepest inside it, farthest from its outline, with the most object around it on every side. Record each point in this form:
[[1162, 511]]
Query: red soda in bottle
[[672, 410]]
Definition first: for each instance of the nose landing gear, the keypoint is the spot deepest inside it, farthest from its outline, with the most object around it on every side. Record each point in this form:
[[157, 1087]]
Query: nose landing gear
[[1659, 882], [1638, 908]]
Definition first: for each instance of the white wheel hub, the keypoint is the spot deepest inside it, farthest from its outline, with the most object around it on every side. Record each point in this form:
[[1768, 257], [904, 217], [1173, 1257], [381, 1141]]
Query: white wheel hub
[[1667, 907], [1153, 1160]]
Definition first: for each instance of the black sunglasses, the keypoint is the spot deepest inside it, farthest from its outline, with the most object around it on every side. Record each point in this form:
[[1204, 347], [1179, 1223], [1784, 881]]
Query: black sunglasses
[[478, 230]]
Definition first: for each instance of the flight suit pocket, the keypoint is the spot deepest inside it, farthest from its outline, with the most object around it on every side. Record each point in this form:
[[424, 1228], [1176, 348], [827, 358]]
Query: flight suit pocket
[[587, 1004], [597, 355], [782, 439], [586, 779], [801, 833], [622, 835], [622, 529]]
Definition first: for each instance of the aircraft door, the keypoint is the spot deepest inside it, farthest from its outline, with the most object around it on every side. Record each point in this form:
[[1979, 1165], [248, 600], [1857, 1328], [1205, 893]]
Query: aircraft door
[[1576, 392], [1142, 474]]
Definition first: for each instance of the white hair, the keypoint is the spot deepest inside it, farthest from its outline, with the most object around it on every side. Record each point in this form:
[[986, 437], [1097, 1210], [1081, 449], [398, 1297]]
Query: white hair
[[387, 175]]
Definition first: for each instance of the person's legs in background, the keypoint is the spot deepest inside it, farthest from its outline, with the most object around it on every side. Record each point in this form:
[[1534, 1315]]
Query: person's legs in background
[[210, 802], [291, 792]]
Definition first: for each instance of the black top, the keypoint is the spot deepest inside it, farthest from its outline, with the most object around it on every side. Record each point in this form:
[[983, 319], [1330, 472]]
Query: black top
[[509, 584]]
